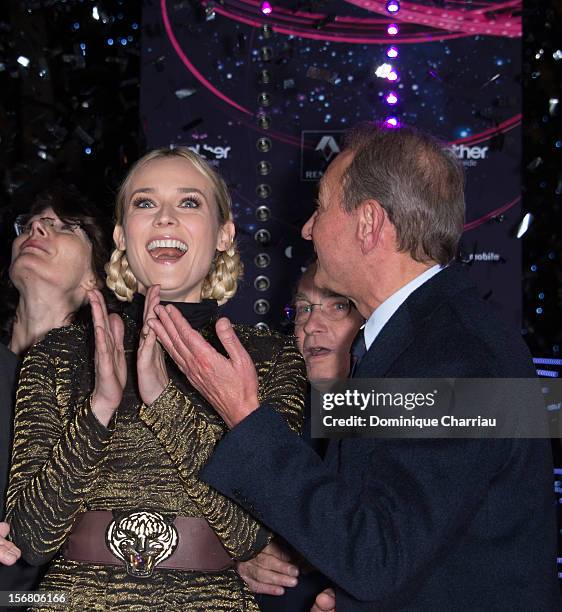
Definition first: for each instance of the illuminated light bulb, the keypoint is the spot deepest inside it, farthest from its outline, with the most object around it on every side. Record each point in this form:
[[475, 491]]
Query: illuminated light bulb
[[266, 8], [392, 29], [392, 122], [393, 6], [392, 75], [392, 52], [391, 98]]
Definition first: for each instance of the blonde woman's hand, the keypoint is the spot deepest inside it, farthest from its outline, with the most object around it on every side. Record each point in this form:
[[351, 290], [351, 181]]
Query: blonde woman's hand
[[110, 365], [151, 368]]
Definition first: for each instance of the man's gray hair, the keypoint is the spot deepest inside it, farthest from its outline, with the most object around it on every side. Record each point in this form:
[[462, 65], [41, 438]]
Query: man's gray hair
[[417, 180]]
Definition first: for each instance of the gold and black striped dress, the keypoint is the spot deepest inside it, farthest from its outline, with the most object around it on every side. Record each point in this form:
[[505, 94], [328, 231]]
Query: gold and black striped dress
[[65, 463]]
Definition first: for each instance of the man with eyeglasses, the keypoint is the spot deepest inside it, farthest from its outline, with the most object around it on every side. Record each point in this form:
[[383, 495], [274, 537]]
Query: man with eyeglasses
[[325, 325]]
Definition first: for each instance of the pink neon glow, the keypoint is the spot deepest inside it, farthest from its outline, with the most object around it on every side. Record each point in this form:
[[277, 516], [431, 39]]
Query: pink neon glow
[[494, 213], [391, 98], [392, 29], [491, 19], [266, 8], [392, 52], [348, 33], [392, 75], [503, 127], [393, 6], [392, 122]]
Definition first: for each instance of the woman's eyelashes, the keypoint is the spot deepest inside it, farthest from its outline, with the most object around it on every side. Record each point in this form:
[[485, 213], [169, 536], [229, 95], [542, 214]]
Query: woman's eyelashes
[[189, 202]]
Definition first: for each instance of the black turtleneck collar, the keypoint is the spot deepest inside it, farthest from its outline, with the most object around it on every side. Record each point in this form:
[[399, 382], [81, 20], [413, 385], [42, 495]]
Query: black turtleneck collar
[[198, 314]]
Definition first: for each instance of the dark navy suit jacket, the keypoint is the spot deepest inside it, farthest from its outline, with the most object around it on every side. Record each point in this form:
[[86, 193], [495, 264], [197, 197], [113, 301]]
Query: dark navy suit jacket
[[430, 525]]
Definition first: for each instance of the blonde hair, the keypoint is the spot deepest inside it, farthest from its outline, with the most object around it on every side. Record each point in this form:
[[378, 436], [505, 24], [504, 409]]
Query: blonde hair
[[221, 282]]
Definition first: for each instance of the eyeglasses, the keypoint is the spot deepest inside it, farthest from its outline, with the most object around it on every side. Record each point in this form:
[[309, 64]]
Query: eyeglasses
[[334, 309], [23, 223]]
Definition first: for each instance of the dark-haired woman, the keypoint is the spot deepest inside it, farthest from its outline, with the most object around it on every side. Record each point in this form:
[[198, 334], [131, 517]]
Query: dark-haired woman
[[57, 257]]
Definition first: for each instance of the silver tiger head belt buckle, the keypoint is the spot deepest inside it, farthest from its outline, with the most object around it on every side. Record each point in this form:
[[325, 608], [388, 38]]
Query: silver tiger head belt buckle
[[141, 540]]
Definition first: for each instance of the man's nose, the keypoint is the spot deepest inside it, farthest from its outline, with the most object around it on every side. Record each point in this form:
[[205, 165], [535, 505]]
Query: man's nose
[[306, 231], [316, 321]]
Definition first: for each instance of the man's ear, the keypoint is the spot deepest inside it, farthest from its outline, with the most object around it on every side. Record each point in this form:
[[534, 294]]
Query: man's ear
[[225, 236], [370, 221], [119, 237]]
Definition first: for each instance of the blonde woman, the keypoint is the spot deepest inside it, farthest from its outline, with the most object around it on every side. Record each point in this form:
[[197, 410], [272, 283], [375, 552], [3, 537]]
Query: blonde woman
[[111, 491]]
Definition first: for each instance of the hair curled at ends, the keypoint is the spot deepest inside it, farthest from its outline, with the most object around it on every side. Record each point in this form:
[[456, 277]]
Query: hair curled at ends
[[119, 277], [416, 179], [226, 269], [222, 281]]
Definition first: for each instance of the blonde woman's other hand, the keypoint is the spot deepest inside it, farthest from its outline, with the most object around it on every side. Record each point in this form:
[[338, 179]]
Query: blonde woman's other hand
[[151, 367]]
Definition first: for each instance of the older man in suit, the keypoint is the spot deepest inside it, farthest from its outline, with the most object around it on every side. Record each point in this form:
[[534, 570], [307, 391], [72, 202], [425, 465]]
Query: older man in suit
[[449, 524]]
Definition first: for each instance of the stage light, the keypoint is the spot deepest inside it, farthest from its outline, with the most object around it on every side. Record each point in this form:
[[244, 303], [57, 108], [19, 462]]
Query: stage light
[[264, 121], [263, 191], [264, 77], [391, 98], [23, 61], [95, 13], [392, 122], [261, 283], [264, 99], [263, 214], [263, 145], [392, 29], [262, 260], [393, 6], [266, 8], [392, 75], [264, 167], [263, 237], [261, 307], [266, 54], [392, 52]]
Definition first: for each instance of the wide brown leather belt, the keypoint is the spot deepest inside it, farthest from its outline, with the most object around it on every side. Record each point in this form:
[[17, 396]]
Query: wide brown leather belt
[[143, 540]]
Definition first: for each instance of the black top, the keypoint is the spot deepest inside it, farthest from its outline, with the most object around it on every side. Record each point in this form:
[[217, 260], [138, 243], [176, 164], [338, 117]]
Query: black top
[[198, 314]]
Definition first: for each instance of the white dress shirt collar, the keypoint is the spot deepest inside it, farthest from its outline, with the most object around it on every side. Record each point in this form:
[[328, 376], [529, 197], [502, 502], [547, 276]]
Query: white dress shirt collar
[[382, 314]]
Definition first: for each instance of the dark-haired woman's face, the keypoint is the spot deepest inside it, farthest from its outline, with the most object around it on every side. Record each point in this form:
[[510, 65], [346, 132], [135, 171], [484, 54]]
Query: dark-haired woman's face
[[52, 252]]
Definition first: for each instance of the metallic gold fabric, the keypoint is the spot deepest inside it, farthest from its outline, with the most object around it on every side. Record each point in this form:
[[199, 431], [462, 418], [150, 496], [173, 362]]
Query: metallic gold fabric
[[65, 462]]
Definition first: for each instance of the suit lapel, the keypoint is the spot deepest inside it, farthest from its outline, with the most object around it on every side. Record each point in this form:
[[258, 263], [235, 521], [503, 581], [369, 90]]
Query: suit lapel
[[392, 341], [399, 331]]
